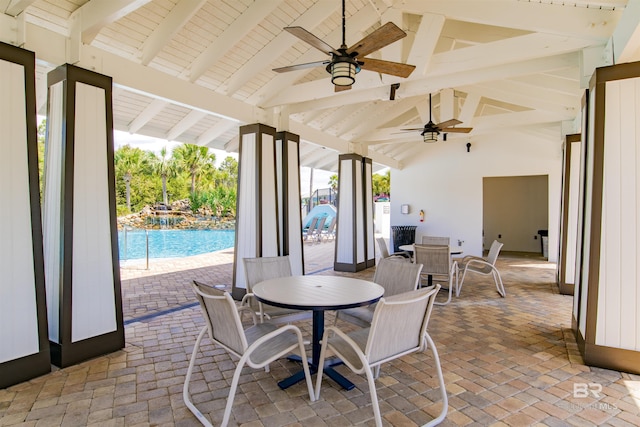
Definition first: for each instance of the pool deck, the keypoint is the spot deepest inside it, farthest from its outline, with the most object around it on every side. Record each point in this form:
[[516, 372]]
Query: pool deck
[[507, 362]]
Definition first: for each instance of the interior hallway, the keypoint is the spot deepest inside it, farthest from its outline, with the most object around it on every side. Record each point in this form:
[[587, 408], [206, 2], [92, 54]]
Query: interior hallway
[[510, 361]]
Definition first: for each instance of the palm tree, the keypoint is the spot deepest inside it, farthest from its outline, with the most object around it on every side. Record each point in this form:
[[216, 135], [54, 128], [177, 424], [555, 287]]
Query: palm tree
[[166, 168], [333, 182], [381, 183], [228, 172], [195, 160], [129, 162]]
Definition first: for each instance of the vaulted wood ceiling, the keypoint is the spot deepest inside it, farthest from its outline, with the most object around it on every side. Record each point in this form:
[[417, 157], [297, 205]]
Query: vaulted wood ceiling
[[194, 70]]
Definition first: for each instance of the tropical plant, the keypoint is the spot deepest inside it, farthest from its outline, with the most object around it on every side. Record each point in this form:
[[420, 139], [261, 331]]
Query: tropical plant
[[195, 160], [333, 182], [165, 167], [227, 175], [42, 131], [130, 162], [381, 183]]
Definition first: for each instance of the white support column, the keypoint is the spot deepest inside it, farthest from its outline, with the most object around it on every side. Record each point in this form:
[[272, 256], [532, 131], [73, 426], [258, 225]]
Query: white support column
[[24, 346], [289, 214], [257, 228], [569, 215], [80, 236], [607, 293], [367, 198], [354, 236]]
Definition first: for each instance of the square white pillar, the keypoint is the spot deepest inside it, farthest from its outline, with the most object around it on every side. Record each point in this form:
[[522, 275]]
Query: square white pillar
[[288, 187], [257, 226], [80, 236], [607, 289], [24, 345], [355, 238]]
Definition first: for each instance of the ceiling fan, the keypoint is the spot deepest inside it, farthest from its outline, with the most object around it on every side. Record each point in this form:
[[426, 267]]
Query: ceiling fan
[[430, 131], [345, 62]]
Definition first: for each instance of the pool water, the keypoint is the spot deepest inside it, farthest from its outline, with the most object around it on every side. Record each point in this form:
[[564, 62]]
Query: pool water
[[173, 243]]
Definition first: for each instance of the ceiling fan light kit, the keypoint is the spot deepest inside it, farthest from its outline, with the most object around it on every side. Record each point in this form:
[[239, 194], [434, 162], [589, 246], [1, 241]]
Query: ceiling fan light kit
[[430, 136], [430, 131], [343, 71], [346, 62]]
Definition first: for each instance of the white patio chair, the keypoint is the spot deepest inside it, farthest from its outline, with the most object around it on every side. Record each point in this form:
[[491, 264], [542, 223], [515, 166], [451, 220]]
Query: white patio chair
[[437, 266], [314, 234], [257, 346], [257, 270], [330, 232], [398, 328], [484, 266], [435, 240], [306, 234], [384, 252], [395, 276]]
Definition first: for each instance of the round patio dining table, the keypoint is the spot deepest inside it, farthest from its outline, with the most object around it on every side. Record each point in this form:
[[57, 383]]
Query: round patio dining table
[[318, 293]]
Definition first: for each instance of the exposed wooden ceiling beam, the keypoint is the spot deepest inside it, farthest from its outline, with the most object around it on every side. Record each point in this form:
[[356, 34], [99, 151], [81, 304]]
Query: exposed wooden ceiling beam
[[172, 23]]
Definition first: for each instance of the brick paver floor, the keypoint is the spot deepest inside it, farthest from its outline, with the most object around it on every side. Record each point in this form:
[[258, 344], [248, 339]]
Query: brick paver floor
[[507, 362]]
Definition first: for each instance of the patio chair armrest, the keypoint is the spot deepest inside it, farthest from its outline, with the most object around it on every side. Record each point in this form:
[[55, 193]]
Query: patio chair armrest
[[479, 262], [243, 308], [346, 338], [245, 299], [462, 262], [454, 267], [269, 336]]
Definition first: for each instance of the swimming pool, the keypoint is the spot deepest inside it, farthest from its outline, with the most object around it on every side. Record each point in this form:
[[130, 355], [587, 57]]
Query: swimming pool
[[173, 243]]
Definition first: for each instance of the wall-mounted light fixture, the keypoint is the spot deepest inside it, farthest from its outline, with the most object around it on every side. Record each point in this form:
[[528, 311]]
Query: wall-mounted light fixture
[[404, 209], [468, 147]]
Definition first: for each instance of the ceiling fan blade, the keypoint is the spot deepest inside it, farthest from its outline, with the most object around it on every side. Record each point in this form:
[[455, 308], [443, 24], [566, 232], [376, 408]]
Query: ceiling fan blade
[[456, 130], [309, 38], [341, 88], [387, 67], [380, 38], [300, 66], [448, 123], [413, 129]]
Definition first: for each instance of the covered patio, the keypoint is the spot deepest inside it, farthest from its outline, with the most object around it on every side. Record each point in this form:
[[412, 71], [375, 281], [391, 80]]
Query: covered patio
[[202, 72], [507, 361]]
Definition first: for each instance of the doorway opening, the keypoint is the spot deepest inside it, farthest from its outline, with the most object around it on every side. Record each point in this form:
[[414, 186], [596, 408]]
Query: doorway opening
[[516, 213]]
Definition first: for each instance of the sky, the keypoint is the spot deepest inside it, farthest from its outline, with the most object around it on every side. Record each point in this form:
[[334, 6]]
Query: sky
[[320, 177]]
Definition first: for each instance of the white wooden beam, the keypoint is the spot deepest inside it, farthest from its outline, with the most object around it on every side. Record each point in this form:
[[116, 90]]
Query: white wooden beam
[[393, 51], [626, 37], [243, 25], [215, 131], [339, 115], [147, 114], [538, 16], [468, 111], [185, 124], [391, 112], [310, 19], [94, 15], [425, 42], [15, 7], [447, 110], [507, 51], [528, 96], [181, 13]]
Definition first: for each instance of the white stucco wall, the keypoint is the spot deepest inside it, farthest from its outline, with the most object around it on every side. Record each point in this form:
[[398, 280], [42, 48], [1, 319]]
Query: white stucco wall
[[446, 182]]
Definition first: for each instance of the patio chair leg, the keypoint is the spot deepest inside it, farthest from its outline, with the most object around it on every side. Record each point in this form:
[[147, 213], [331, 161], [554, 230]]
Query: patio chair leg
[[459, 287], [374, 397], [499, 284], [443, 389], [185, 388]]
